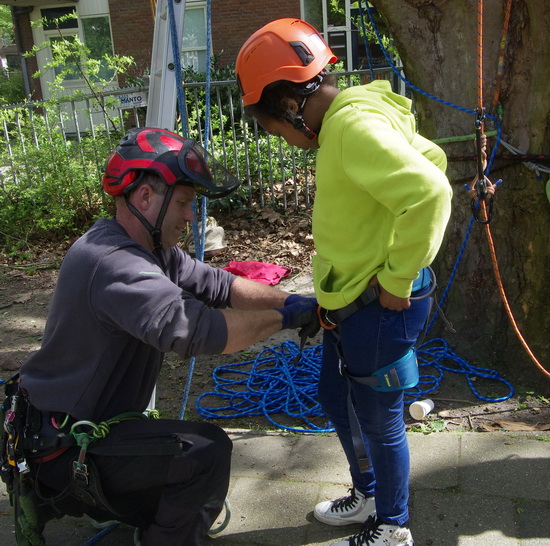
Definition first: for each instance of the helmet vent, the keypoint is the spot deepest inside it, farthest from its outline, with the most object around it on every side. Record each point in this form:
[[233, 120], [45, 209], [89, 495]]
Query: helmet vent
[[303, 52]]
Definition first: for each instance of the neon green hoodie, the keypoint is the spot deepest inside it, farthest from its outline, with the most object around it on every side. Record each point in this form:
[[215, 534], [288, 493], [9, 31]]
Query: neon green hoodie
[[382, 200]]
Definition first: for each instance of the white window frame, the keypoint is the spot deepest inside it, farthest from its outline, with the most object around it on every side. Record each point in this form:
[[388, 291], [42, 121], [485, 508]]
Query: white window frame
[[328, 30], [195, 5], [84, 10]]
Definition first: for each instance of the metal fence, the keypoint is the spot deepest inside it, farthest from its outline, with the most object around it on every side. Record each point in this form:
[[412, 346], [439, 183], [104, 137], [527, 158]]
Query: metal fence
[[273, 173]]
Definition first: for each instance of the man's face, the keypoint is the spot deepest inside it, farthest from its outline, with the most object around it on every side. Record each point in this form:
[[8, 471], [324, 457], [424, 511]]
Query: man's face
[[178, 213]]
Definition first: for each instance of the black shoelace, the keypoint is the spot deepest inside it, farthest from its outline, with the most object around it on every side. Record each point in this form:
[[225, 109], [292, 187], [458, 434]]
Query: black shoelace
[[369, 532], [345, 502]]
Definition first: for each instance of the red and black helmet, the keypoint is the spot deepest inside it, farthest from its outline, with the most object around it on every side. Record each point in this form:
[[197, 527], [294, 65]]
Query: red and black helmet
[[175, 159]]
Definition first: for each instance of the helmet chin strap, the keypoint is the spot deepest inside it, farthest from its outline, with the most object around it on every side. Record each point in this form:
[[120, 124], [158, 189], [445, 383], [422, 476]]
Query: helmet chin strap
[[299, 124], [155, 231]]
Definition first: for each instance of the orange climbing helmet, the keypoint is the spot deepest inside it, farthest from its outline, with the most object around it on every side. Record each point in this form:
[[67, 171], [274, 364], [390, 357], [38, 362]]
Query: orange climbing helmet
[[283, 50]]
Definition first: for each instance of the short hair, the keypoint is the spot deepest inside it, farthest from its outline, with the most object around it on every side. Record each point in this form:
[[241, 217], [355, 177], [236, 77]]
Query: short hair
[[155, 181]]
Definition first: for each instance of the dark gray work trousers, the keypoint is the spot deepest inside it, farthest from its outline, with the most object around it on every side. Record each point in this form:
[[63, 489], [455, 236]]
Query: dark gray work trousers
[[174, 499]]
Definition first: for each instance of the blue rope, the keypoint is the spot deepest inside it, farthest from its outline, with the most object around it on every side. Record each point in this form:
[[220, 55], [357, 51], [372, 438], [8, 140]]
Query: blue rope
[[100, 535], [177, 67], [273, 384], [437, 355], [198, 237], [407, 82], [269, 385], [366, 41]]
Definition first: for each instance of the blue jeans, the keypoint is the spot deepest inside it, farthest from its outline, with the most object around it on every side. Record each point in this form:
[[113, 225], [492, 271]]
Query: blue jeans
[[370, 339]]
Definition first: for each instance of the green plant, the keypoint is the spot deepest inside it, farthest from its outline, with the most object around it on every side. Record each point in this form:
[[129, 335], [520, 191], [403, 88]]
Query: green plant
[[72, 58], [52, 188], [431, 425], [365, 27], [12, 90]]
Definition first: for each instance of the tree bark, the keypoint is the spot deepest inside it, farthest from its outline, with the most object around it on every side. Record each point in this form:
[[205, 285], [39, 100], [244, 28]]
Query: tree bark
[[437, 41]]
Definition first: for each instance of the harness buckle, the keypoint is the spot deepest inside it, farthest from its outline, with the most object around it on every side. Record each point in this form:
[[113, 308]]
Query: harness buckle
[[80, 473], [324, 319]]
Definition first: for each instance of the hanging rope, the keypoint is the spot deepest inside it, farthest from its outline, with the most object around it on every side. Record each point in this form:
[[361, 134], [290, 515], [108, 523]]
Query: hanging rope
[[199, 235], [500, 67], [366, 41], [479, 75], [486, 213], [409, 84]]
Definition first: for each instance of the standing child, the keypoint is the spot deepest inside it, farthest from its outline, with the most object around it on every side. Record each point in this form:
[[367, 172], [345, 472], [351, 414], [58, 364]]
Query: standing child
[[381, 207]]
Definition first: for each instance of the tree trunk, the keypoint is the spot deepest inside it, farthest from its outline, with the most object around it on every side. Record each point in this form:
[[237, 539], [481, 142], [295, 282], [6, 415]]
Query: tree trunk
[[438, 44]]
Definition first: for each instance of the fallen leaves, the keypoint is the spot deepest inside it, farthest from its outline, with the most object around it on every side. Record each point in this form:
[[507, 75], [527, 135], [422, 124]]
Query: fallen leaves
[[266, 236], [513, 426]]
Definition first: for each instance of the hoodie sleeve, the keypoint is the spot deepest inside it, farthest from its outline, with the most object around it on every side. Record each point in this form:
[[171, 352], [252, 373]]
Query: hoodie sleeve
[[410, 186]]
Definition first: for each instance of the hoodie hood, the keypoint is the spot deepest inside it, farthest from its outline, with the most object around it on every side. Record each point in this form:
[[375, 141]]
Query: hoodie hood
[[377, 98]]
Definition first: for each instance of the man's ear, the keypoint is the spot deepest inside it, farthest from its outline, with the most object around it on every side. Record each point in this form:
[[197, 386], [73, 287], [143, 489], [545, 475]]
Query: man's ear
[[143, 196]]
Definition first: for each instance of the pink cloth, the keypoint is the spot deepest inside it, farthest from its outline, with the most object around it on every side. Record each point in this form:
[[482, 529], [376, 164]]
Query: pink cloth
[[259, 271]]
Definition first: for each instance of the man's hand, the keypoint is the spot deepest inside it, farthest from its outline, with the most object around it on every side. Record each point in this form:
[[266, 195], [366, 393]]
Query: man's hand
[[298, 311], [388, 300]]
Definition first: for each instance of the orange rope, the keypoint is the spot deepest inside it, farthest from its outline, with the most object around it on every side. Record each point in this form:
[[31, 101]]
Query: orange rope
[[482, 203], [480, 54], [503, 40], [505, 299]]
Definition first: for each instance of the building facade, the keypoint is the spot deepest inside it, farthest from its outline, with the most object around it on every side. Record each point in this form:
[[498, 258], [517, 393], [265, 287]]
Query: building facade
[[125, 27]]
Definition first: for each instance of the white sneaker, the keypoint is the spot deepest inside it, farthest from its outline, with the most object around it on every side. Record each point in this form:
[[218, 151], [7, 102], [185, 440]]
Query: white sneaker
[[354, 508], [375, 532]]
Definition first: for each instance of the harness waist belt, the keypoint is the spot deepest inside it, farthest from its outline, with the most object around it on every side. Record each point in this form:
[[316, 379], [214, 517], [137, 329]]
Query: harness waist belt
[[372, 293], [399, 375]]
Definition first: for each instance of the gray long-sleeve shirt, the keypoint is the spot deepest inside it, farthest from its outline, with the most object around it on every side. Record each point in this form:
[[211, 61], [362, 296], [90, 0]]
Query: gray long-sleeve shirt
[[113, 315]]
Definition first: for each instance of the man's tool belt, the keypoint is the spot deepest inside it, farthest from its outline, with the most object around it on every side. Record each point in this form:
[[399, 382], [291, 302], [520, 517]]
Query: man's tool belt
[[32, 437]]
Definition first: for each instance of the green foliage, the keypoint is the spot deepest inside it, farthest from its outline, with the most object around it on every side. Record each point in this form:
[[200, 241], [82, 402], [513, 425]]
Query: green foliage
[[12, 90], [50, 184], [6, 24], [73, 59], [244, 150], [365, 28], [50, 187]]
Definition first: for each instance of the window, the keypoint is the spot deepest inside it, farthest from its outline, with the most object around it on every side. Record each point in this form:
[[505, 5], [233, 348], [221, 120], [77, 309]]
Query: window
[[336, 20], [93, 31], [194, 38], [97, 37]]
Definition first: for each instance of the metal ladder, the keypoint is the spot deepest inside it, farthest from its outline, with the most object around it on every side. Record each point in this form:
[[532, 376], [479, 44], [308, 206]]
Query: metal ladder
[[162, 100]]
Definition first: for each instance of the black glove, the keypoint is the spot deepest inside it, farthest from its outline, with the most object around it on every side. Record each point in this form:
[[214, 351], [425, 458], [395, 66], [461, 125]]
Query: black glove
[[310, 329]]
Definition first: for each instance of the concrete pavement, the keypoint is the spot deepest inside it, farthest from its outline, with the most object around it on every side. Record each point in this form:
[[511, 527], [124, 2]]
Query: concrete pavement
[[467, 489]]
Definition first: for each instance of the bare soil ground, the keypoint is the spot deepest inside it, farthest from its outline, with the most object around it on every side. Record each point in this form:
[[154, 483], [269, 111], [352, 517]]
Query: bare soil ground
[[26, 289]]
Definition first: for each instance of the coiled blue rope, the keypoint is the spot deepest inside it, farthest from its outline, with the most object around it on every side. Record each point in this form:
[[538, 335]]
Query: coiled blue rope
[[273, 385], [267, 386], [437, 355]]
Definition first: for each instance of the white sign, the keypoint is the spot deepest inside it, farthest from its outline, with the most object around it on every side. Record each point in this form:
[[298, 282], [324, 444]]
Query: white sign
[[133, 100]]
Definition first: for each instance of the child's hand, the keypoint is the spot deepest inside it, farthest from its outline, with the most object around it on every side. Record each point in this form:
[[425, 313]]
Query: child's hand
[[388, 300]]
